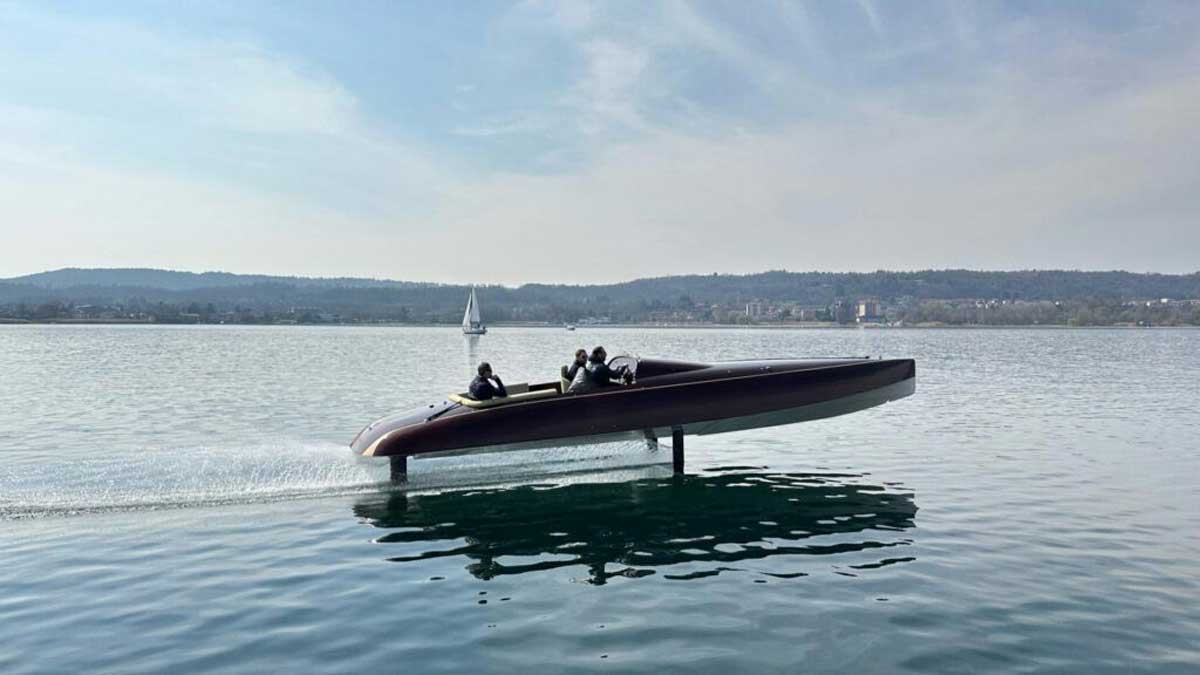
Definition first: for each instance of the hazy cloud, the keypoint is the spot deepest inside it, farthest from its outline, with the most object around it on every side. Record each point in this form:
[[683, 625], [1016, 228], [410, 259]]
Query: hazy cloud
[[674, 137]]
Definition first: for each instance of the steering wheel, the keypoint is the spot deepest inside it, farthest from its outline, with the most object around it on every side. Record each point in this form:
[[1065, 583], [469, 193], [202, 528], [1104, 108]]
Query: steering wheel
[[625, 365]]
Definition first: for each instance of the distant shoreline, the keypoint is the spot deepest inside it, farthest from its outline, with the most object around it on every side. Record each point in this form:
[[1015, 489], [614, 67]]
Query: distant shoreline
[[670, 326], [773, 299]]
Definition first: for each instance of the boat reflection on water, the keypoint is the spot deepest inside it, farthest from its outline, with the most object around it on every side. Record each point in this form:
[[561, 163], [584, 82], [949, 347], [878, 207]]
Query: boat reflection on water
[[627, 529]]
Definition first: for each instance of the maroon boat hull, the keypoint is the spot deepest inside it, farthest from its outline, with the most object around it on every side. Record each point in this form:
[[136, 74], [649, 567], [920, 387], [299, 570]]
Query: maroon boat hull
[[694, 397]]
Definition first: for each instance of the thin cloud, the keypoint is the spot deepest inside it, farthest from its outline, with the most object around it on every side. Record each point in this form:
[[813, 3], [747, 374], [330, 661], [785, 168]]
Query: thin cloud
[[1046, 184], [869, 10], [233, 111], [957, 136], [608, 94], [498, 129]]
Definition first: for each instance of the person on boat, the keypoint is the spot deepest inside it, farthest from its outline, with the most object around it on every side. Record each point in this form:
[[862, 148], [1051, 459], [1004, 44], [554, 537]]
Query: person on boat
[[580, 363], [482, 388], [597, 374]]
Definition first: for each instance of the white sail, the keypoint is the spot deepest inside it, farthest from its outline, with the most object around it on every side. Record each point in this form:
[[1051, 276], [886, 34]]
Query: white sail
[[471, 314], [474, 309], [472, 323]]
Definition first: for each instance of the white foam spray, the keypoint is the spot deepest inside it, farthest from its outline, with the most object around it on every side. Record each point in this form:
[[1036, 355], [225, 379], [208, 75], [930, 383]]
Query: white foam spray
[[207, 476]]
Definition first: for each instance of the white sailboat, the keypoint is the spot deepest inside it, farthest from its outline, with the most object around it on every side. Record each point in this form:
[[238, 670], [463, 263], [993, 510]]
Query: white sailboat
[[472, 325]]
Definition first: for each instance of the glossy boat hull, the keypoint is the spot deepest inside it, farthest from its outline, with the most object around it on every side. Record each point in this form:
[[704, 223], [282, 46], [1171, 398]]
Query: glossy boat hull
[[699, 398]]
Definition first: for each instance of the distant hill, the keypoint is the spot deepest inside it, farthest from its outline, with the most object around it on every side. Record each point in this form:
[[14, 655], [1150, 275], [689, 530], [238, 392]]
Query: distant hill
[[813, 287], [171, 280], [159, 292]]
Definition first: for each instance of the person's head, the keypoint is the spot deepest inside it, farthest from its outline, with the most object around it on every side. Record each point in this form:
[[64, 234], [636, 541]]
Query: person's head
[[599, 355], [581, 356], [484, 369]]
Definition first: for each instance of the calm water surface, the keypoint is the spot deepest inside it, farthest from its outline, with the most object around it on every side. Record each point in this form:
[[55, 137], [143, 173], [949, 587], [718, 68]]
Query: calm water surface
[[182, 499]]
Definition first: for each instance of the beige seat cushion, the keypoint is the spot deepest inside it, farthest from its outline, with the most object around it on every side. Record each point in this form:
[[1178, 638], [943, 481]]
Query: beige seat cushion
[[524, 395]]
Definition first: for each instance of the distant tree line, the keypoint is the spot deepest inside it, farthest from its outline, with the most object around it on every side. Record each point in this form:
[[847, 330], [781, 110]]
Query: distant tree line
[[1046, 313], [952, 297]]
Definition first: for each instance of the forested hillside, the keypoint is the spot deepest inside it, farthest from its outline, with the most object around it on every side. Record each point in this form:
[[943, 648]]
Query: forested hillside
[[164, 294]]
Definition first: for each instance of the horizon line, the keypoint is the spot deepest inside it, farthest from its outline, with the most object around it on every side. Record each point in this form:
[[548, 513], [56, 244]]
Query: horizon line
[[18, 278]]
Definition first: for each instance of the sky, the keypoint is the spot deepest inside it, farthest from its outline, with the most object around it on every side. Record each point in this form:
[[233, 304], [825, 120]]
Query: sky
[[578, 142]]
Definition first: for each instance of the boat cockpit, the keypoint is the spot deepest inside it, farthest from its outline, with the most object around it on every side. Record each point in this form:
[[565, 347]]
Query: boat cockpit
[[524, 391], [516, 393]]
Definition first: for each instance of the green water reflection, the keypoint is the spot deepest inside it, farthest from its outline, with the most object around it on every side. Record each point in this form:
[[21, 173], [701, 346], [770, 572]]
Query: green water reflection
[[629, 529]]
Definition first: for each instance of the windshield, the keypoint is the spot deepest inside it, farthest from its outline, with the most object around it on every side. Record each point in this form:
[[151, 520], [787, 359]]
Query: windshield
[[624, 361]]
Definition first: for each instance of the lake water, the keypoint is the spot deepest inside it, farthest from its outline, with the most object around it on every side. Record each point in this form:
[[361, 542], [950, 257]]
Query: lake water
[[181, 499]]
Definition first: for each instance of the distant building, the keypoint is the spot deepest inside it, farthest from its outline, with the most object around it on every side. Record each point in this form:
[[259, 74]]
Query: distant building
[[842, 311], [868, 311], [754, 309], [810, 313]]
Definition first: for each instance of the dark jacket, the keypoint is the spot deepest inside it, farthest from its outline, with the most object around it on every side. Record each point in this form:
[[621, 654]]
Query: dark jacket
[[568, 372], [596, 376], [581, 381], [601, 375], [482, 389]]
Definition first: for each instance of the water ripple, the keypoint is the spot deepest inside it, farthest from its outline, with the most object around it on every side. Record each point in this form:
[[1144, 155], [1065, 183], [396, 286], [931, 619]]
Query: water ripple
[[631, 529]]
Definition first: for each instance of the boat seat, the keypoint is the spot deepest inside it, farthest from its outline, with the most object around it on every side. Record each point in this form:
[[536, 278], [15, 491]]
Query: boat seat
[[513, 397]]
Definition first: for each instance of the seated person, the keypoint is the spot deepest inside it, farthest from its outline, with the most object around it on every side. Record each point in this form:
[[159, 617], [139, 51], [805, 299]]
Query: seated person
[[580, 362], [482, 388], [597, 374]]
